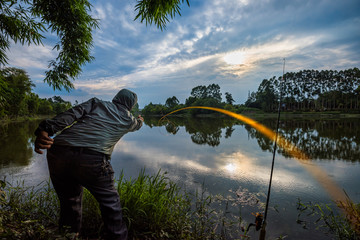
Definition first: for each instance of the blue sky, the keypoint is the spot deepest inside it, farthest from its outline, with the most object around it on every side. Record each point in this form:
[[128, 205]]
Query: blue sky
[[233, 43]]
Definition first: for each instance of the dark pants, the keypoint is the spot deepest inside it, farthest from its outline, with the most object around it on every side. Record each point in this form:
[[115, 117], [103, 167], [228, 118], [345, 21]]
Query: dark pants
[[71, 169]]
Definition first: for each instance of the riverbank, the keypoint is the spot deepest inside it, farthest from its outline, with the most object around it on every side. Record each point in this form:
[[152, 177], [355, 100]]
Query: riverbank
[[261, 115], [304, 115], [252, 114], [7, 120], [153, 208]]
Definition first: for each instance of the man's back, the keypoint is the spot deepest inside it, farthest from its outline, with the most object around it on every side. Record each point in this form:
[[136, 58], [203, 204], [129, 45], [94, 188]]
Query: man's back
[[95, 124], [100, 128]]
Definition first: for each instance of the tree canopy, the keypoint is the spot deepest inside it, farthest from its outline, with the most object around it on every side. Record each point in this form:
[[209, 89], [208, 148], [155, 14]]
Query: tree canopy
[[17, 99], [25, 21], [310, 90]]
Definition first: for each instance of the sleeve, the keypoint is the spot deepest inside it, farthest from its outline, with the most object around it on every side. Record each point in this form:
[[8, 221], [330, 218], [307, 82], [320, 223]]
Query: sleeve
[[136, 125], [52, 126]]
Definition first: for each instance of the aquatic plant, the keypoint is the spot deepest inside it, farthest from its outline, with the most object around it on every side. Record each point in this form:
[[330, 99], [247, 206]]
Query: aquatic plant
[[352, 212], [327, 218]]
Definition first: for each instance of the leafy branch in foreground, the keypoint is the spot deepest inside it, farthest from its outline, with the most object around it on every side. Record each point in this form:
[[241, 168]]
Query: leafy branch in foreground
[[158, 11], [24, 21]]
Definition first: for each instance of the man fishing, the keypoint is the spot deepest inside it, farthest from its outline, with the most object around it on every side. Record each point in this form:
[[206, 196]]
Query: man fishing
[[79, 156]]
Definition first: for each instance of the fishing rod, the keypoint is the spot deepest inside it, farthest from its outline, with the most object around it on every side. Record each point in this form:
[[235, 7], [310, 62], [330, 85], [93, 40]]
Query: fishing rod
[[263, 228]]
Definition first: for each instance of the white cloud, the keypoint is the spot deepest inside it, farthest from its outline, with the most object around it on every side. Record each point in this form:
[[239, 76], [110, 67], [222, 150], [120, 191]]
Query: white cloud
[[105, 43], [161, 157], [33, 56]]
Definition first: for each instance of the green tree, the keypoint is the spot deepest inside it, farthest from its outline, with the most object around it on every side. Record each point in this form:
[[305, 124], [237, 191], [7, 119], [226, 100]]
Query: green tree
[[171, 102], [229, 98], [24, 21], [199, 92], [267, 96], [203, 92], [213, 91], [3, 94], [18, 86], [45, 107], [59, 105], [33, 103]]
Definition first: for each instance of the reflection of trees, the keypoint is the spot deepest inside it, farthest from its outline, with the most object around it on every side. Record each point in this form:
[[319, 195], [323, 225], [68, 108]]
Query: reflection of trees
[[319, 139], [202, 130], [172, 128], [229, 131], [205, 130], [212, 139], [16, 143]]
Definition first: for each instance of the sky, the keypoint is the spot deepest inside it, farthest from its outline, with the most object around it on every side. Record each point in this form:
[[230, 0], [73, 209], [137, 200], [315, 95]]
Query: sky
[[233, 43]]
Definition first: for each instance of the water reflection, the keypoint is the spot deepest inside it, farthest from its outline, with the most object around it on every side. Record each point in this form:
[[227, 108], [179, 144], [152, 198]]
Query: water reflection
[[329, 139], [320, 139], [16, 143], [202, 130]]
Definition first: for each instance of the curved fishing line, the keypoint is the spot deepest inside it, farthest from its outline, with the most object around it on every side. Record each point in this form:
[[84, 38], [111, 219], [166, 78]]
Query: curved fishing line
[[281, 141], [319, 174]]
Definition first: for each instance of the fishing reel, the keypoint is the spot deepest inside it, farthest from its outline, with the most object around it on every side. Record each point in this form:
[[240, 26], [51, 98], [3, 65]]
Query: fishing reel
[[258, 222]]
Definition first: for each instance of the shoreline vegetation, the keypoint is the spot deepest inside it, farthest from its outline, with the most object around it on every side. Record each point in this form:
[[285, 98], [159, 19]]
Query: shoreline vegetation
[[154, 207], [253, 114]]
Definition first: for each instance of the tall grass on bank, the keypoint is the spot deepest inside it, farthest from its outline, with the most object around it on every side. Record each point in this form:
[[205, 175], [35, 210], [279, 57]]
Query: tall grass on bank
[[352, 212], [27, 212], [153, 207]]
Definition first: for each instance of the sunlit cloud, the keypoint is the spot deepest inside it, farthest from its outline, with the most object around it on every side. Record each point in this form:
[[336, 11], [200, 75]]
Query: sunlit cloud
[[246, 59]]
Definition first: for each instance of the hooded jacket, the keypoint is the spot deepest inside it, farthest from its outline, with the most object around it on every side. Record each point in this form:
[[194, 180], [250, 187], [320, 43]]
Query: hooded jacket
[[95, 124]]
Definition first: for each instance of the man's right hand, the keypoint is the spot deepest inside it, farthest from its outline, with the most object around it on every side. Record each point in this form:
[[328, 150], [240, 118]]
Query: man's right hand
[[43, 141], [140, 118]]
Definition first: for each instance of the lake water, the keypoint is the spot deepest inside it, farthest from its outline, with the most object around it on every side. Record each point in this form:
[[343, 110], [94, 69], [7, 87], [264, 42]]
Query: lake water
[[224, 157]]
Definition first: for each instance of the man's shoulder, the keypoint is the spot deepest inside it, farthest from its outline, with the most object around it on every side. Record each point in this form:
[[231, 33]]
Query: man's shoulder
[[110, 105]]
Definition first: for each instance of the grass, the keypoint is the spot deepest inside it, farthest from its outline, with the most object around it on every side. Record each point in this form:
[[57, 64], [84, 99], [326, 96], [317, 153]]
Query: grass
[[153, 208], [328, 219]]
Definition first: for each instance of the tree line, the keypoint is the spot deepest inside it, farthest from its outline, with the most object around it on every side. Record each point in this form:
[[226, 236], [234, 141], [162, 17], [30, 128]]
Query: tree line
[[200, 96], [17, 98], [310, 90]]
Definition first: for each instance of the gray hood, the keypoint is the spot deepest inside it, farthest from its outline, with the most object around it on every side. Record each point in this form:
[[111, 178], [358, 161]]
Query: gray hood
[[126, 98]]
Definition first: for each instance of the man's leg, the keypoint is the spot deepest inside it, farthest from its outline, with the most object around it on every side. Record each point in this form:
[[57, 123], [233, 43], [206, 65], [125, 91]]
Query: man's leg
[[97, 176], [67, 189]]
